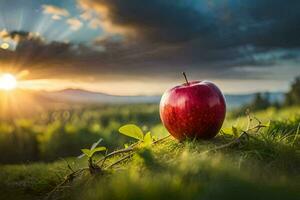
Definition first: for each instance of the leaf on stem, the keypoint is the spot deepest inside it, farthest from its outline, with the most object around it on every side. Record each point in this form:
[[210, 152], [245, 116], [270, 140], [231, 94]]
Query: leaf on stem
[[132, 130], [98, 149], [148, 139], [87, 152]]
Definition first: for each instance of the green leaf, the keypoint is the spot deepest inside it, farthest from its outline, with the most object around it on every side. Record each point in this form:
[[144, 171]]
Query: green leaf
[[98, 149], [148, 139], [87, 152], [132, 130], [227, 131]]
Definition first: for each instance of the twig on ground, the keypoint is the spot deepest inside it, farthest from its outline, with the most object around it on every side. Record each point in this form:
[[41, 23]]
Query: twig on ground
[[72, 175], [126, 150], [69, 166], [131, 154], [244, 134], [129, 149], [120, 160], [68, 179], [161, 139]]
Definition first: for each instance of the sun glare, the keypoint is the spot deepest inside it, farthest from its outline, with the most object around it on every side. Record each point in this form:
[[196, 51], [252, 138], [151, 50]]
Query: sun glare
[[8, 82], [4, 46]]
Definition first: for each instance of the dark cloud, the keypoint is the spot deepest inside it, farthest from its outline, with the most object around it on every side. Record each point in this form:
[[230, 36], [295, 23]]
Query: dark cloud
[[33, 52], [163, 36], [160, 20], [204, 35], [268, 23], [35, 47]]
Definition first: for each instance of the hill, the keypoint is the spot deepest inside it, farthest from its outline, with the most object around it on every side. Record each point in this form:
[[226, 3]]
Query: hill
[[84, 96], [24, 103]]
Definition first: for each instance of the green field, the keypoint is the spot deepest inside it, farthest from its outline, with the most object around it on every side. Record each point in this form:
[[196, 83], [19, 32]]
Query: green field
[[39, 153]]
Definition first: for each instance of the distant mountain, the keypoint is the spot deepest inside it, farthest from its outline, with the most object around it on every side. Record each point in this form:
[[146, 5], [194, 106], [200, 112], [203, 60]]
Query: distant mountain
[[84, 96]]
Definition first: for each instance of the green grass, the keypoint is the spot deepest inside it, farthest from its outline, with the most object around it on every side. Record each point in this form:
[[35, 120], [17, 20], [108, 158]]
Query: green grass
[[265, 167], [63, 131]]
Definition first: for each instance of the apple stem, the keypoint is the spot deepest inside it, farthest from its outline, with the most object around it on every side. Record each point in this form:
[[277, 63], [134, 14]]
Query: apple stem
[[187, 82]]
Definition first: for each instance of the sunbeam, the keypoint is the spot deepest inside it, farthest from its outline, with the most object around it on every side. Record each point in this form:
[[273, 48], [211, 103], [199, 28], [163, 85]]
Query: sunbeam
[[8, 81]]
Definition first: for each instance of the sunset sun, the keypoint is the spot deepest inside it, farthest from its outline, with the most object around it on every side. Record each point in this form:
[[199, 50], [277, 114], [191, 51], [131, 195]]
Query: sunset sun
[[8, 81]]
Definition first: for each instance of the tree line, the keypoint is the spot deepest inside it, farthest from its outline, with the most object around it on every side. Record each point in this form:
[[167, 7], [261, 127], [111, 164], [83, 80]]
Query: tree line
[[262, 101]]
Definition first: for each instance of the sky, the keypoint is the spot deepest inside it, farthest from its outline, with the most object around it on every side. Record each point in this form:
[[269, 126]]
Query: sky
[[138, 47]]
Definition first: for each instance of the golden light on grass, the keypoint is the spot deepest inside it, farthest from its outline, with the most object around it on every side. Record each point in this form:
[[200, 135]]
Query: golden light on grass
[[8, 81]]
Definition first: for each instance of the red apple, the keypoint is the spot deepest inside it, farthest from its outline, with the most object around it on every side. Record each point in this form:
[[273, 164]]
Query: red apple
[[194, 109]]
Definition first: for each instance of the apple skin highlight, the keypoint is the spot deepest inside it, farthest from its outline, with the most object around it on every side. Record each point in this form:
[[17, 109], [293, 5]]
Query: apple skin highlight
[[194, 109]]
